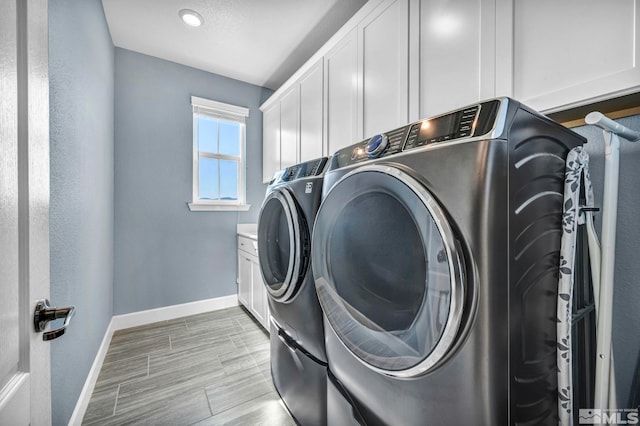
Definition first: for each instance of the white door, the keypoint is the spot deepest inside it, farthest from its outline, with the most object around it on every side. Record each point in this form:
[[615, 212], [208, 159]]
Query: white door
[[341, 70], [448, 80], [289, 126], [244, 279], [311, 105], [563, 54], [383, 46], [258, 291], [270, 141], [25, 381]]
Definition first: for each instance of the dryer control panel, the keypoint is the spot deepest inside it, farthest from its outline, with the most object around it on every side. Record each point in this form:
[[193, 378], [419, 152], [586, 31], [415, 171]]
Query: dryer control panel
[[472, 121]]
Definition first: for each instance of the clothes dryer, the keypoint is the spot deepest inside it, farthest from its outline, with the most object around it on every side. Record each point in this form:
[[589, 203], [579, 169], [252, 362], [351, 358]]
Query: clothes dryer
[[435, 257], [298, 359]]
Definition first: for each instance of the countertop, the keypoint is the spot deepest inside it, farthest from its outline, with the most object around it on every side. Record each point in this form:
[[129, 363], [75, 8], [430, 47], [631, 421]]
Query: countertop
[[249, 230]]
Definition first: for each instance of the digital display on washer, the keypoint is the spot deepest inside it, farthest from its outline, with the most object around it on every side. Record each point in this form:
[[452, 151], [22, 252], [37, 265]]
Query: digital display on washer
[[435, 130], [458, 124]]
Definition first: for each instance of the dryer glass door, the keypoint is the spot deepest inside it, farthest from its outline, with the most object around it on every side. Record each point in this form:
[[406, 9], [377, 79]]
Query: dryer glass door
[[283, 244], [388, 271]]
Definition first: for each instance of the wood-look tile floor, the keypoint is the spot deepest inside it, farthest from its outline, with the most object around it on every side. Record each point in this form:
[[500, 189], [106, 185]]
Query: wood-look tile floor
[[208, 369]]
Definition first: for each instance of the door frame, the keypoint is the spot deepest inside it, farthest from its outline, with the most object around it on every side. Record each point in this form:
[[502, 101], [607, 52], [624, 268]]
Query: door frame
[[32, 81]]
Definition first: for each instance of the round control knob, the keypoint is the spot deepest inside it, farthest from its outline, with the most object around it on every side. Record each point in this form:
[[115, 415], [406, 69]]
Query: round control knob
[[377, 145]]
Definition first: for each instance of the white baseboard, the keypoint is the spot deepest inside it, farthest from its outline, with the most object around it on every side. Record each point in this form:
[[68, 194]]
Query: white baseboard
[[119, 322], [92, 378], [136, 319]]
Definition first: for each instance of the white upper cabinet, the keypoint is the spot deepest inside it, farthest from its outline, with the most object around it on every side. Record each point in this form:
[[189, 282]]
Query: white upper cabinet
[[341, 79], [397, 61], [311, 113], [293, 125], [270, 141], [289, 127], [383, 38], [456, 54], [572, 52]]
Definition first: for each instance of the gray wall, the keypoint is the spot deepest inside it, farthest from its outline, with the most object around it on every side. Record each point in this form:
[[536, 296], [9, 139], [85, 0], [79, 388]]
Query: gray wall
[[81, 72], [626, 321], [164, 253]]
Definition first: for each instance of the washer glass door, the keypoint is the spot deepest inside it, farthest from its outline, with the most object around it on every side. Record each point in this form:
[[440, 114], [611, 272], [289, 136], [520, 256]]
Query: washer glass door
[[388, 271], [283, 244]]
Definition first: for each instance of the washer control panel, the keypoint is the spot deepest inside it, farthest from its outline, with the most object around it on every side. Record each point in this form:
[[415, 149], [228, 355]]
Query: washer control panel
[[380, 145], [376, 145], [460, 124], [474, 120], [303, 170]]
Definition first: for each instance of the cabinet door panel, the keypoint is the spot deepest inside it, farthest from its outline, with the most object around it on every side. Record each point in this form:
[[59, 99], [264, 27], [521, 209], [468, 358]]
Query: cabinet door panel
[[270, 142], [258, 292], [384, 38], [455, 40], [341, 69], [573, 51], [311, 113], [289, 109], [244, 280]]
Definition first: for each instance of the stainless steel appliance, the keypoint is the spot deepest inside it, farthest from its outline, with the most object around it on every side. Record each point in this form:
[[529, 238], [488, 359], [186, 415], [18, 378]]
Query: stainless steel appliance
[[435, 255], [298, 359]]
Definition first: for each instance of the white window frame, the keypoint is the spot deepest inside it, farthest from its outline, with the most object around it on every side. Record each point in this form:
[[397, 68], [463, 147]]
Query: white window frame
[[228, 112]]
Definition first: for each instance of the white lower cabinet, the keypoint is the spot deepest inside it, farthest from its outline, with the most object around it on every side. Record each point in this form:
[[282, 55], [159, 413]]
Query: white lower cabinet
[[244, 279], [251, 290], [258, 294]]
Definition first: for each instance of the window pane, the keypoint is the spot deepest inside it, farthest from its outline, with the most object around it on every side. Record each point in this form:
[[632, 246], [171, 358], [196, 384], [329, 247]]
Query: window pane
[[208, 170], [228, 180], [207, 134], [229, 138]]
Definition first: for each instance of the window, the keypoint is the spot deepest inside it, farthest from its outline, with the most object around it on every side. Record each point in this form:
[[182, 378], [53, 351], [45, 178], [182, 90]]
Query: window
[[218, 156]]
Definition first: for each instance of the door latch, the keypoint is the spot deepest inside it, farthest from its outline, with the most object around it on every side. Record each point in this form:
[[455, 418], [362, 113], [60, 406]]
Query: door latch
[[45, 313]]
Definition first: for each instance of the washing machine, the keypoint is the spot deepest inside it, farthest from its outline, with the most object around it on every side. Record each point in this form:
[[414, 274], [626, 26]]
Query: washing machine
[[435, 254], [298, 359]]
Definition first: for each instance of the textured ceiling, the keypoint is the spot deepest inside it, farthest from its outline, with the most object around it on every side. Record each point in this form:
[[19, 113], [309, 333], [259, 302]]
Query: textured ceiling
[[258, 41]]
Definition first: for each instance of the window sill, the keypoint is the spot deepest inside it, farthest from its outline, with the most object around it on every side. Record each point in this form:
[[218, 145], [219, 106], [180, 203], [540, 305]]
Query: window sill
[[203, 207]]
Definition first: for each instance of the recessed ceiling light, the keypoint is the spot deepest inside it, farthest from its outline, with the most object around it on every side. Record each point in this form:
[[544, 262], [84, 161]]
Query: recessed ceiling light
[[191, 17]]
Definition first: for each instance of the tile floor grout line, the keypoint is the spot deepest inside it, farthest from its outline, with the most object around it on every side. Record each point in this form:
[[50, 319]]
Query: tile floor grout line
[[115, 404], [238, 404], [204, 388], [254, 341]]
